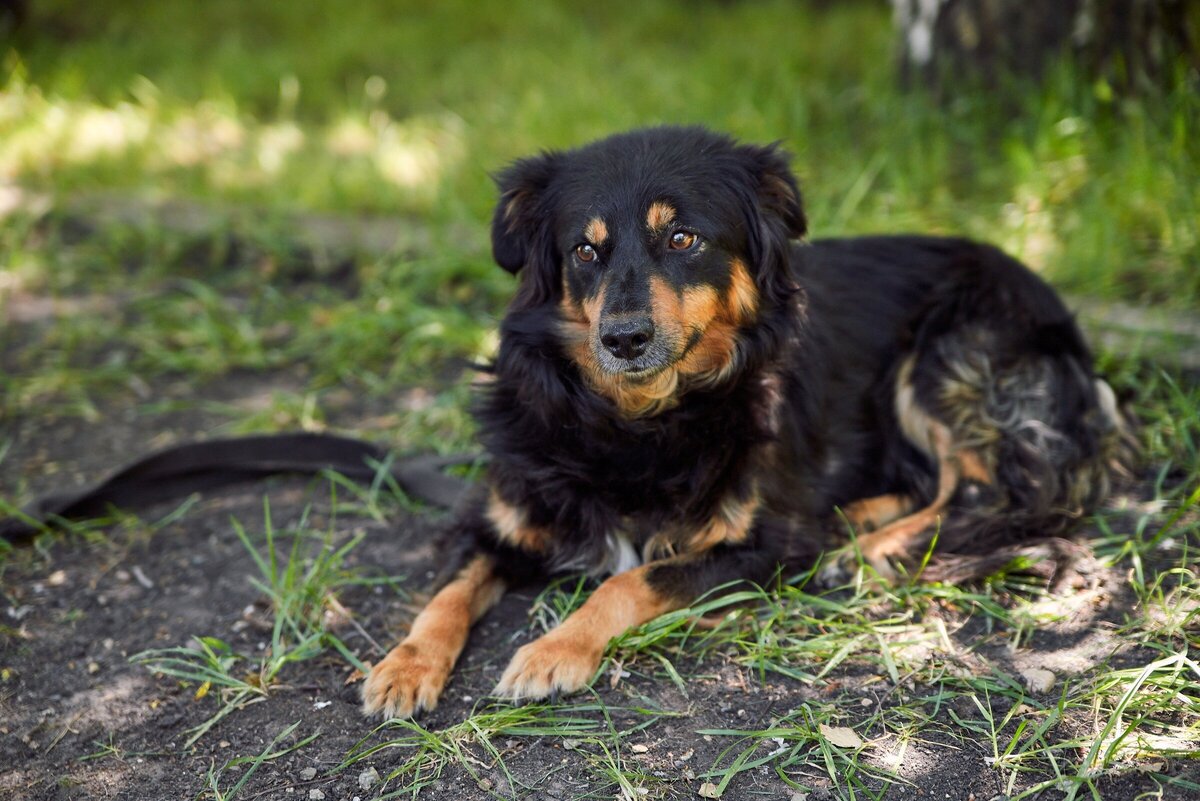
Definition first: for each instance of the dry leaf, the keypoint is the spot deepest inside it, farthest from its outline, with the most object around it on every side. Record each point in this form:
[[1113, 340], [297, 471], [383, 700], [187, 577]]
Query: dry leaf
[[841, 736]]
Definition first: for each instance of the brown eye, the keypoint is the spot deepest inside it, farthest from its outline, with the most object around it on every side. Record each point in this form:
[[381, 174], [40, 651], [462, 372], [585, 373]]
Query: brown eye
[[682, 240], [585, 253]]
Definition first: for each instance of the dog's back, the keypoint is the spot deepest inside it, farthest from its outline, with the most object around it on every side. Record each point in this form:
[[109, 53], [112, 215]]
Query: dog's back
[[957, 392]]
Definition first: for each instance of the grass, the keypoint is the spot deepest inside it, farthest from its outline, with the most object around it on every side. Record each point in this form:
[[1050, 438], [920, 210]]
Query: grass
[[402, 111], [408, 119], [300, 588]]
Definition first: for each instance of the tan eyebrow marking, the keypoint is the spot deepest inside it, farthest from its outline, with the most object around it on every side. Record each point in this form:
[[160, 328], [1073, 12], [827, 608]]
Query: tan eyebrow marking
[[596, 231], [659, 215]]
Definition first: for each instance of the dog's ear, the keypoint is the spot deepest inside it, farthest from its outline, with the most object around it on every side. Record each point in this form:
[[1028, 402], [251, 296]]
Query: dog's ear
[[520, 219], [774, 216], [778, 191]]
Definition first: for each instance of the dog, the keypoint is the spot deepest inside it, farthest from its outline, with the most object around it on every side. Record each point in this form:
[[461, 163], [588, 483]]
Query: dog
[[688, 394]]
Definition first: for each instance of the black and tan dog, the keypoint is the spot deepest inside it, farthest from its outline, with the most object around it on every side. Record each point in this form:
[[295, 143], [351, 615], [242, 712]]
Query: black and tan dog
[[686, 395]]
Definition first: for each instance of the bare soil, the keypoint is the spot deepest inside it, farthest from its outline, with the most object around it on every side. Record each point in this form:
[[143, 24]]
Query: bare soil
[[78, 720]]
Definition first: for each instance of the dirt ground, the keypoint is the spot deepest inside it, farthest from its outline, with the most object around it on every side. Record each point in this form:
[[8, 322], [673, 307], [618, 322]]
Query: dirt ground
[[79, 720]]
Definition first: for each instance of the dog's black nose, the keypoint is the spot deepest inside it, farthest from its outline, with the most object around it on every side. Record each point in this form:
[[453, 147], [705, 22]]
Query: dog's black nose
[[627, 337]]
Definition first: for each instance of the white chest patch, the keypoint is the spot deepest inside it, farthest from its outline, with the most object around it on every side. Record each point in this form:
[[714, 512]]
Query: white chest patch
[[622, 555]]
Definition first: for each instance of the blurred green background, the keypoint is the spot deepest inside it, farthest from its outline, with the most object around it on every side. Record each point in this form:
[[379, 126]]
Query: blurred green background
[[404, 109]]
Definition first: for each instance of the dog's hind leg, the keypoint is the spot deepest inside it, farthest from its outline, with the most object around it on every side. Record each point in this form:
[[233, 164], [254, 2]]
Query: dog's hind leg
[[869, 514], [411, 677], [901, 539]]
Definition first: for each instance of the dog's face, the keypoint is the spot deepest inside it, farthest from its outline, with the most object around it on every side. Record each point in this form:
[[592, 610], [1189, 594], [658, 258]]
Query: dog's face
[[655, 246]]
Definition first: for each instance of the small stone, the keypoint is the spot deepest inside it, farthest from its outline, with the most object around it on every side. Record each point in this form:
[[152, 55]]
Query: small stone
[[93, 667], [639, 748], [368, 779], [709, 790], [315, 795], [570, 745], [1038, 680], [308, 774]]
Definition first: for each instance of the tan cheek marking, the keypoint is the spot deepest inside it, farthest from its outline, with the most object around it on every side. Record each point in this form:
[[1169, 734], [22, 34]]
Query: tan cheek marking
[[594, 305], [742, 300], [713, 353], [596, 231], [666, 308], [632, 398], [659, 215], [700, 306], [512, 528]]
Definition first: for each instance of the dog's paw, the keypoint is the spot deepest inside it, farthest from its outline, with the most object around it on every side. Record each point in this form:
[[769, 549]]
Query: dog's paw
[[841, 568], [408, 680], [548, 666]]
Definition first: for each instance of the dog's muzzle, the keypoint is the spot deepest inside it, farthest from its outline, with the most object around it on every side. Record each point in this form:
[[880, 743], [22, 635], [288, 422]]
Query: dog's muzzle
[[627, 336]]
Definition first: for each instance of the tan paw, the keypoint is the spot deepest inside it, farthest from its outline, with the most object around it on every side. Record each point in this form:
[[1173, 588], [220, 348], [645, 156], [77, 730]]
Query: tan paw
[[548, 666], [408, 680], [842, 566]]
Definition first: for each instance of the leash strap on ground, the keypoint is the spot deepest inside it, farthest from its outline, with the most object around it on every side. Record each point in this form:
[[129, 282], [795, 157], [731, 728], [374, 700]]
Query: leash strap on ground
[[197, 466]]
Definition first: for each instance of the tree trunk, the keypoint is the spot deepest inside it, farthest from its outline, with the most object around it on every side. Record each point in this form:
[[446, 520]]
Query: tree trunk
[[1131, 45]]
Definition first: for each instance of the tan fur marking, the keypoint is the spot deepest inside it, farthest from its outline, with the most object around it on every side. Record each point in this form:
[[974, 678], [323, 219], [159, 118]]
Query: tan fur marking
[[677, 316], [700, 305], [742, 297], [730, 525], [914, 422], [411, 677], [596, 231], [566, 658], [512, 527], [593, 306], [871, 513], [899, 539], [972, 467], [659, 215]]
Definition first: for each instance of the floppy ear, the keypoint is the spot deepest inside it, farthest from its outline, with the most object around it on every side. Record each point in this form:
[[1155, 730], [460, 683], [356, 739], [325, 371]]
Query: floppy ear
[[778, 192], [520, 219], [774, 216]]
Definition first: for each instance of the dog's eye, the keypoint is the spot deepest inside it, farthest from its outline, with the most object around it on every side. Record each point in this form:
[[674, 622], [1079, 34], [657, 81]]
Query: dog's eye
[[585, 253], [682, 240]]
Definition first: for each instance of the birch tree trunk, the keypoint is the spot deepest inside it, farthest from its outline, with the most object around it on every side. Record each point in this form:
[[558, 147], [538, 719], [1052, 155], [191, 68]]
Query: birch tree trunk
[[1132, 45]]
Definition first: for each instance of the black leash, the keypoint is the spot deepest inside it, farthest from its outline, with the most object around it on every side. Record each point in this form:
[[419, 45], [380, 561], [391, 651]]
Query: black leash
[[198, 466]]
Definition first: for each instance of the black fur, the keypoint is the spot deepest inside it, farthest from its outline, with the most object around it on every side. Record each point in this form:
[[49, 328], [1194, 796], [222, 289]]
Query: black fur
[[805, 419]]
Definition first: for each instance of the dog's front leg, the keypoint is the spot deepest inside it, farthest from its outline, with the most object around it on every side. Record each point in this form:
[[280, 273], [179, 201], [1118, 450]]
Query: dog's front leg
[[411, 677], [564, 660]]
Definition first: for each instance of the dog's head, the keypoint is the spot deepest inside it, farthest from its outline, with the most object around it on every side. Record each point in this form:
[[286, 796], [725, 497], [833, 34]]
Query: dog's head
[[656, 246]]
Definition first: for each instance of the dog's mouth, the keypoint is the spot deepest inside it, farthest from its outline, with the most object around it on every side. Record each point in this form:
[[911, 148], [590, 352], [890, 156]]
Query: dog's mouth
[[638, 369], [661, 355]]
